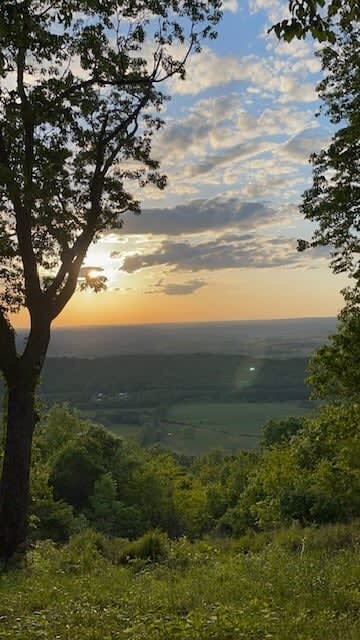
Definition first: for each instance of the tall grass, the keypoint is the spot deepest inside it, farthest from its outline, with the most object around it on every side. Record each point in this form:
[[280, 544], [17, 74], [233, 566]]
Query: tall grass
[[206, 591]]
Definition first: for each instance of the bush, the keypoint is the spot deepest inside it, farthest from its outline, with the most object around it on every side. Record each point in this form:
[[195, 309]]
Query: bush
[[252, 542], [331, 537], [152, 547]]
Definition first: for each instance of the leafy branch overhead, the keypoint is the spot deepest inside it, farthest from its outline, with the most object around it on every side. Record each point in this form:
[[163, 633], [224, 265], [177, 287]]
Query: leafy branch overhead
[[80, 101], [333, 201], [320, 18]]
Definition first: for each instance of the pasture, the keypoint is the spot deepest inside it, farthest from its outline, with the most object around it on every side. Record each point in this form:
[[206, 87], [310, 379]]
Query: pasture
[[195, 428], [198, 427]]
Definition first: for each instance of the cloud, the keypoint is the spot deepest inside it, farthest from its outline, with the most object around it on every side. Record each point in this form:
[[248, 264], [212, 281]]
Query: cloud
[[176, 288], [300, 147], [201, 215], [238, 152], [230, 251], [272, 74], [230, 5], [86, 271], [218, 142], [221, 122], [275, 9]]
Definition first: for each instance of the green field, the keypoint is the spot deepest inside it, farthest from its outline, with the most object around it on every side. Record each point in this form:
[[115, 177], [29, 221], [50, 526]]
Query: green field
[[196, 428]]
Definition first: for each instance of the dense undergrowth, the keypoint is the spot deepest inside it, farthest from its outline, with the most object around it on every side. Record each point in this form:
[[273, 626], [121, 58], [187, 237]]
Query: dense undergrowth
[[298, 583]]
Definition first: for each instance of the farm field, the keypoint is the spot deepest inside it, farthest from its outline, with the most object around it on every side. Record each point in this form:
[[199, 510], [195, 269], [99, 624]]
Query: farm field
[[188, 403], [196, 428]]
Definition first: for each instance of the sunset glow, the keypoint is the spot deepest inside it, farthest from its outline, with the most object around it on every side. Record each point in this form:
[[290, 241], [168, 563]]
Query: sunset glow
[[220, 242]]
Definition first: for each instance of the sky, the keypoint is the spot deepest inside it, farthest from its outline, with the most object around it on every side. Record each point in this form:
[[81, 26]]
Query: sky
[[220, 242]]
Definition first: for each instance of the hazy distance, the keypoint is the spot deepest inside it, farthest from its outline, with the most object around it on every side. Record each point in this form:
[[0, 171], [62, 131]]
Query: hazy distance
[[278, 338]]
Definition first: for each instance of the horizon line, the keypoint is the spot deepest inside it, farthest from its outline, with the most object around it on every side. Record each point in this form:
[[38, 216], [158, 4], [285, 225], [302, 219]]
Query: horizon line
[[186, 322]]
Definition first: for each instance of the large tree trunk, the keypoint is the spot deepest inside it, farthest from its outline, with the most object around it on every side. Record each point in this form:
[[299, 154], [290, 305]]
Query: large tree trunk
[[22, 376], [15, 481]]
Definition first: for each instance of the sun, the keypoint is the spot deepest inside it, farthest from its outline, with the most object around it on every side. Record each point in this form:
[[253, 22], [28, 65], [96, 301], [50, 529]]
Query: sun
[[95, 273]]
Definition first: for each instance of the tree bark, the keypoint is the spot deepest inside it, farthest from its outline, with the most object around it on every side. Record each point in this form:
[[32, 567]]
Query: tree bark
[[15, 481]]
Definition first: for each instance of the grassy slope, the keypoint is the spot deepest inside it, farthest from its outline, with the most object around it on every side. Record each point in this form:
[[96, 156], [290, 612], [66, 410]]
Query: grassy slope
[[202, 593]]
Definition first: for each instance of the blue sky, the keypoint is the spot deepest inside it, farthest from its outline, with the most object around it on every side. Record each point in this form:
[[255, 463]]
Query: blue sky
[[220, 241]]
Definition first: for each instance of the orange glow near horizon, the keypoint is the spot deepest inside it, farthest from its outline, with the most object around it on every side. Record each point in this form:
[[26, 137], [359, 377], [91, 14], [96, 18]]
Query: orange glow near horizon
[[259, 294]]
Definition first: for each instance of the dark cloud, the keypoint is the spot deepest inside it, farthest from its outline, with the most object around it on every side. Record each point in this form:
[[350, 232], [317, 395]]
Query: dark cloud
[[225, 252], [177, 289], [201, 215], [85, 271]]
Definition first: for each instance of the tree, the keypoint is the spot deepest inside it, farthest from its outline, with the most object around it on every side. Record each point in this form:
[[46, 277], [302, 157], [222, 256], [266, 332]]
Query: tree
[[275, 432], [320, 18], [80, 100], [333, 201], [334, 367]]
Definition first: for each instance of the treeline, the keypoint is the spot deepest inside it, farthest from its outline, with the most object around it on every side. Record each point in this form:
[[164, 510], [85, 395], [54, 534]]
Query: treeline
[[152, 379], [307, 471]]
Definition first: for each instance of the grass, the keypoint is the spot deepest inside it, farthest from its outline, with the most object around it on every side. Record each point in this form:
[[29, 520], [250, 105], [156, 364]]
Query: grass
[[199, 427], [200, 592], [196, 428]]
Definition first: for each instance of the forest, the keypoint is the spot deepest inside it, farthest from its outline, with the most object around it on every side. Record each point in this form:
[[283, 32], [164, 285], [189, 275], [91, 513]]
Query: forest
[[132, 542]]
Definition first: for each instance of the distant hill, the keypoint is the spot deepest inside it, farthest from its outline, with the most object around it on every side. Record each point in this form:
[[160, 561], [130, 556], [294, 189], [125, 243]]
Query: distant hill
[[263, 338]]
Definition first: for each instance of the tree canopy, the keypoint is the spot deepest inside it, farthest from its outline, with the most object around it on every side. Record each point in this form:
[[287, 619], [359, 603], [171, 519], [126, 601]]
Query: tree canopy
[[80, 100], [333, 200], [320, 18]]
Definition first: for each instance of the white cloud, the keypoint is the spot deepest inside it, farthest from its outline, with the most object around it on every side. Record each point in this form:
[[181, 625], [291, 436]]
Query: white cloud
[[208, 70], [230, 5], [276, 10]]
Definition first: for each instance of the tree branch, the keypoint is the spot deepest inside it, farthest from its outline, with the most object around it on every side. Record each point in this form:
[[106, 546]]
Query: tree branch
[[72, 272], [23, 229]]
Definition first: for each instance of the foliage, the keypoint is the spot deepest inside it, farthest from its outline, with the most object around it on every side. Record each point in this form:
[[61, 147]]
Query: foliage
[[109, 515], [320, 18], [333, 201], [153, 546], [95, 480], [276, 431], [315, 478], [57, 428], [334, 367], [158, 380]]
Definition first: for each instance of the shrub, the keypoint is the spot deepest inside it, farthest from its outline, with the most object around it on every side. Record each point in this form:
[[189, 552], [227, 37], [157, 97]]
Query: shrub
[[153, 546]]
